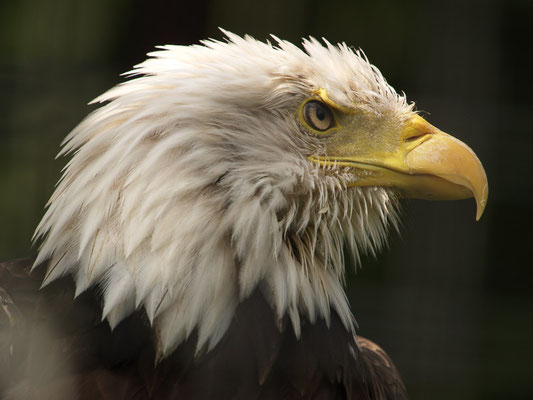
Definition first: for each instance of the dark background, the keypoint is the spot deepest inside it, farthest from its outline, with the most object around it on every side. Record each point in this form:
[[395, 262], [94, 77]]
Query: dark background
[[450, 299]]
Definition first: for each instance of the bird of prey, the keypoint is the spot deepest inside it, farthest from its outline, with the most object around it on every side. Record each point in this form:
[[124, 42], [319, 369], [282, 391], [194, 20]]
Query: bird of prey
[[195, 245]]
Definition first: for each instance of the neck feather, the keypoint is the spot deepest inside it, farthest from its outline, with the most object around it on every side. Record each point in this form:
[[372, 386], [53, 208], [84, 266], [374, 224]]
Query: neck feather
[[190, 260]]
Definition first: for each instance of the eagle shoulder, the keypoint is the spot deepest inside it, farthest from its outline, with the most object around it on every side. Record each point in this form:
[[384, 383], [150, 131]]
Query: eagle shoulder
[[53, 345]]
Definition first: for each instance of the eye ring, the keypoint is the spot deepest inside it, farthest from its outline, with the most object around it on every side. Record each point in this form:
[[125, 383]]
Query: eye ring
[[318, 115]]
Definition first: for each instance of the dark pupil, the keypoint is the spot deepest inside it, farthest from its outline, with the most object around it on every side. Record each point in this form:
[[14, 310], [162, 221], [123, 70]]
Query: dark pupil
[[320, 113]]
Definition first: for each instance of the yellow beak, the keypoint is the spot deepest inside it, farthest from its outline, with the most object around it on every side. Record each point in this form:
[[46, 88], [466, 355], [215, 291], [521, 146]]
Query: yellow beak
[[426, 164]]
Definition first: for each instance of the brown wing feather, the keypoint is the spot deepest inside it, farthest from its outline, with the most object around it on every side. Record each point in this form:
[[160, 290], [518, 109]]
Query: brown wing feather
[[55, 347], [382, 377]]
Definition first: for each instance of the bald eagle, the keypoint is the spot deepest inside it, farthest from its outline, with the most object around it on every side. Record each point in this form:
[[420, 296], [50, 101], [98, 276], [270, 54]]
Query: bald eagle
[[195, 245]]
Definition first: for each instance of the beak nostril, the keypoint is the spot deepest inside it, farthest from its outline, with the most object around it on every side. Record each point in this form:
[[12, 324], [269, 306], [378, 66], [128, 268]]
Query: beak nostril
[[415, 137]]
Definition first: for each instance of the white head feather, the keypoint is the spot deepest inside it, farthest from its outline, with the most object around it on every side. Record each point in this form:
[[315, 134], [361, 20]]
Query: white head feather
[[191, 188]]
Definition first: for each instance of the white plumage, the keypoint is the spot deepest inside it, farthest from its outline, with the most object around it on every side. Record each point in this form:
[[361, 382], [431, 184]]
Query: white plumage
[[192, 186]]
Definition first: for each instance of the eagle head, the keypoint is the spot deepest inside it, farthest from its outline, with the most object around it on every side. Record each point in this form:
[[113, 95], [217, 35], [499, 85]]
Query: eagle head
[[231, 167]]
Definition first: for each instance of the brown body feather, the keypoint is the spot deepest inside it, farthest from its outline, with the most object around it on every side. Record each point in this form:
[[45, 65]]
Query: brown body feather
[[55, 347]]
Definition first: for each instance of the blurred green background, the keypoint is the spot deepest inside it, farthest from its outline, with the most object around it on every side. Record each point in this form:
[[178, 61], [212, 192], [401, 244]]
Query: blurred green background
[[450, 299]]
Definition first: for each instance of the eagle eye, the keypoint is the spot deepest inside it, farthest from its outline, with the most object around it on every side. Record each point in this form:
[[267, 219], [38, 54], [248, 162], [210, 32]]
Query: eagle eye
[[318, 116]]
